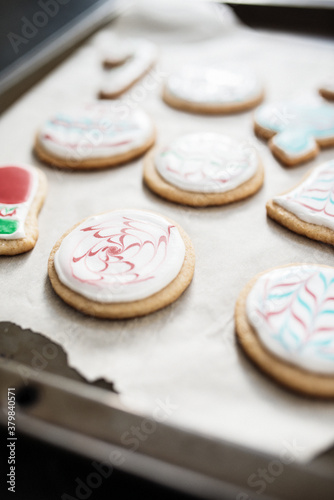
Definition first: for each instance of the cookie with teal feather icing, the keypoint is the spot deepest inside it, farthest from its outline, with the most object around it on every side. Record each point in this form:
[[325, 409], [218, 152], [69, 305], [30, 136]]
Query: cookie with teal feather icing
[[284, 324], [308, 208]]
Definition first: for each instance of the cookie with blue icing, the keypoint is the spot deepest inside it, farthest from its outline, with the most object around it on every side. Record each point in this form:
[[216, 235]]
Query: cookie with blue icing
[[284, 323], [308, 208], [296, 129]]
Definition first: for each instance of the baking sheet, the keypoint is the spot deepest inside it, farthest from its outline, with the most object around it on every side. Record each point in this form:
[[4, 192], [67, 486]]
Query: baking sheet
[[184, 358]]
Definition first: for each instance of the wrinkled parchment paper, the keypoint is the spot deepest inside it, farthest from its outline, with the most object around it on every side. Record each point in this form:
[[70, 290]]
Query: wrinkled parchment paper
[[185, 355]]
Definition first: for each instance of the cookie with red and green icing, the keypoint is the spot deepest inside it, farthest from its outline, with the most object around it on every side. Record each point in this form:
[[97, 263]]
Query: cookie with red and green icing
[[22, 193]]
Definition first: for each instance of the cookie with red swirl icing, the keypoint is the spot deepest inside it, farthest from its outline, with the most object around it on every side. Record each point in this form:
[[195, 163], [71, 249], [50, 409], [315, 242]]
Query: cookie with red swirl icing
[[22, 193], [122, 264], [284, 323], [204, 169], [308, 208], [97, 135]]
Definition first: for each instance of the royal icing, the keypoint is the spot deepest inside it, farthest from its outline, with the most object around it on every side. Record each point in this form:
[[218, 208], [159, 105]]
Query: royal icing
[[206, 162], [118, 79], [292, 311], [18, 185], [212, 85], [120, 256], [295, 142], [297, 124], [313, 200], [96, 130]]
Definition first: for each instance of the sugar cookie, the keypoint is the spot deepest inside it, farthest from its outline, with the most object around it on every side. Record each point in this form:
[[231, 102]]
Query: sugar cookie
[[120, 79], [212, 90], [204, 169], [308, 209], [284, 322], [122, 264], [22, 193], [98, 135], [296, 129]]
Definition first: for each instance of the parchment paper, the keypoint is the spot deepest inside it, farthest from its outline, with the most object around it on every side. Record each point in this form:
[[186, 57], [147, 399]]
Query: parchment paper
[[184, 355]]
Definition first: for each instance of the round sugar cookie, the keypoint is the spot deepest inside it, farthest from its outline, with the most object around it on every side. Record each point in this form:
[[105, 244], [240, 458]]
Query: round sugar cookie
[[284, 323], [22, 193], [213, 90], [122, 264], [204, 169], [98, 135]]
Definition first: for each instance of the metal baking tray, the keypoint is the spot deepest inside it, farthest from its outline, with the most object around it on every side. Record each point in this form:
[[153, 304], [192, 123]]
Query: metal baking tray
[[56, 405], [302, 16], [60, 33]]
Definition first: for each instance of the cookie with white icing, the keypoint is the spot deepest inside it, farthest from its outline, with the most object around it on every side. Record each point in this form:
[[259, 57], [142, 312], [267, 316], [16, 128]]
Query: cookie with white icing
[[308, 208], [213, 90], [98, 135], [22, 193], [284, 323], [296, 129], [142, 56], [204, 169], [122, 264]]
